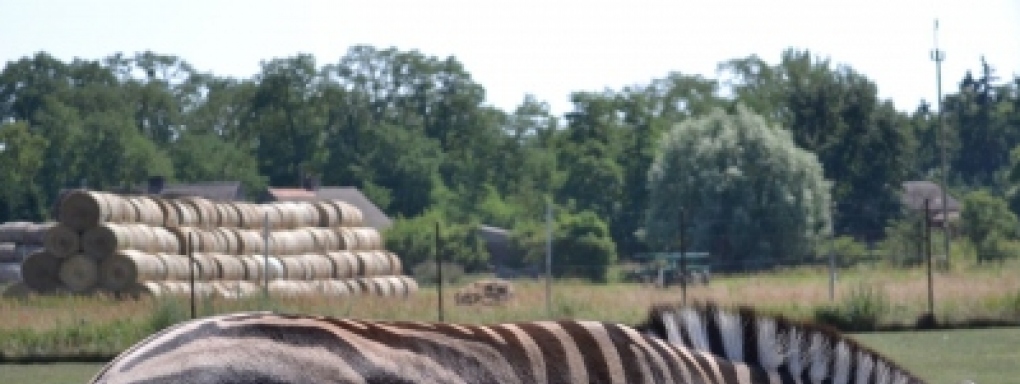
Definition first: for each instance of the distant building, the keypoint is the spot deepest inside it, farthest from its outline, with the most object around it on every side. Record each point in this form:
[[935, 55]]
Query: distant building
[[916, 192]]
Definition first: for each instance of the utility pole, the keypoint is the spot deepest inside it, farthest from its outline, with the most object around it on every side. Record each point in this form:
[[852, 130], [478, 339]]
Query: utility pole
[[938, 56], [548, 256], [683, 259], [439, 272]]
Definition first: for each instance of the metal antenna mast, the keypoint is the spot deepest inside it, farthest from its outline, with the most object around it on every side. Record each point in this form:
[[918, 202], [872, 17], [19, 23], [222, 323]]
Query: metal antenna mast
[[938, 56]]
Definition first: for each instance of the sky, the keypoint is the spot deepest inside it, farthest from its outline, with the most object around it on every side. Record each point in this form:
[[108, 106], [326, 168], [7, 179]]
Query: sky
[[546, 48]]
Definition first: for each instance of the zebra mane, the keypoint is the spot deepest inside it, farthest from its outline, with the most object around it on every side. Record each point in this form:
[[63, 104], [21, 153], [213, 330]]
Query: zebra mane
[[780, 346]]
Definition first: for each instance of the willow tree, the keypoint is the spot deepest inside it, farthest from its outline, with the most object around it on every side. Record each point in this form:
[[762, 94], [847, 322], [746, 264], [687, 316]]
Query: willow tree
[[750, 196]]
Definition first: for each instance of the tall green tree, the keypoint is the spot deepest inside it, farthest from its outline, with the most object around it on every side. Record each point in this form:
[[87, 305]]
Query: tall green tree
[[988, 223], [21, 159], [865, 145], [749, 194]]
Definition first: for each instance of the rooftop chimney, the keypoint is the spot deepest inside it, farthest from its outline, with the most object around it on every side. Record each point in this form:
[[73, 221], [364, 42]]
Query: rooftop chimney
[[311, 183], [156, 184]]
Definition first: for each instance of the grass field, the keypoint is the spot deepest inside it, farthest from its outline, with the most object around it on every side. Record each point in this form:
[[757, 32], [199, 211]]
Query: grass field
[[66, 326], [984, 356]]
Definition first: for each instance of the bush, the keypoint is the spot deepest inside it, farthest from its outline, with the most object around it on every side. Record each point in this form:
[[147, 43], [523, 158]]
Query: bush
[[426, 273], [861, 310]]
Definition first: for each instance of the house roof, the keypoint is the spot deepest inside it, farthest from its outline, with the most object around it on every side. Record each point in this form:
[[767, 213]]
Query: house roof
[[292, 194], [212, 190], [373, 216], [916, 192]]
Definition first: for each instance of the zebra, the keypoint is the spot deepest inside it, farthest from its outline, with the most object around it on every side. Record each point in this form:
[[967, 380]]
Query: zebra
[[700, 343]]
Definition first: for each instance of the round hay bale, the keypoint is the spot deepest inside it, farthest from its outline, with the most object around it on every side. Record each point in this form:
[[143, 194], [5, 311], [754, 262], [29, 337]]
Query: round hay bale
[[410, 284], [350, 216], [305, 241], [183, 288], [334, 288], [368, 287], [396, 267], [344, 264], [179, 267], [275, 216], [382, 287], [231, 267], [327, 239], [40, 272], [328, 215], [249, 215], [348, 239], [228, 215], [397, 287], [148, 211], [251, 241], [309, 215], [226, 240], [79, 273], [255, 267], [60, 240], [365, 264], [9, 253], [186, 214], [165, 241], [368, 238], [233, 289], [184, 234], [83, 209], [130, 267], [166, 211], [208, 268], [294, 268], [105, 239], [319, 266], [353, 287]]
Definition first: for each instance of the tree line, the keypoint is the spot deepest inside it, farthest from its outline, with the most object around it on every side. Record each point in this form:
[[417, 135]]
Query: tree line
[[415, 134]]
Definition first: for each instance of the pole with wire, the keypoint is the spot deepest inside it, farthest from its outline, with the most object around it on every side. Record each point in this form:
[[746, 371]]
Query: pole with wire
[[938, 56]]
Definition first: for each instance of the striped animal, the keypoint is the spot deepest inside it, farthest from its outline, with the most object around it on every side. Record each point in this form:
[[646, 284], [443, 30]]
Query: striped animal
[[700, 344]]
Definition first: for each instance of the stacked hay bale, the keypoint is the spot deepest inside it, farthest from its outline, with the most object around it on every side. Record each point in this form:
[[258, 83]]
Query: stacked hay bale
[[139, 245]]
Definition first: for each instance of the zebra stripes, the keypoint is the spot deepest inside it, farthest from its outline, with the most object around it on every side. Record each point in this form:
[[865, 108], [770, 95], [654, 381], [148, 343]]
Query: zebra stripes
[[696, 344]]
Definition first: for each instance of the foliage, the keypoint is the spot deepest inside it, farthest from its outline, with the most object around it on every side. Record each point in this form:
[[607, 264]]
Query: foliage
[[428, 273], [847, 249], [863, 143], [988, 224], [414, 240], [416, 134], [581, 245], [747, 191], [860, 311]]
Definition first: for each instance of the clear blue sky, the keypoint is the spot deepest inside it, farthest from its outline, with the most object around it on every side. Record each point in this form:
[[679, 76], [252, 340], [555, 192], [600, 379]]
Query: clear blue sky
[[546, 48]]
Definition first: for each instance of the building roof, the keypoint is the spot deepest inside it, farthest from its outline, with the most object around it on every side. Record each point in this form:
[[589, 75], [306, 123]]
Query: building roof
[[212, 190], [916, 192], [291, 194]]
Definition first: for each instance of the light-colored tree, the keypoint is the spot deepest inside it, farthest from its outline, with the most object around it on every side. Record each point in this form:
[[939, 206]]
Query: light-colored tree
[[749, 194]]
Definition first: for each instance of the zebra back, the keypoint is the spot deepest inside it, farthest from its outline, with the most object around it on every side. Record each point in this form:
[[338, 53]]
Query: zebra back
[[789, 351]]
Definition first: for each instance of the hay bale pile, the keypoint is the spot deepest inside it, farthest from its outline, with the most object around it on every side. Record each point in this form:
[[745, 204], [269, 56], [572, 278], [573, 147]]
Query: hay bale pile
[[138, 245]]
